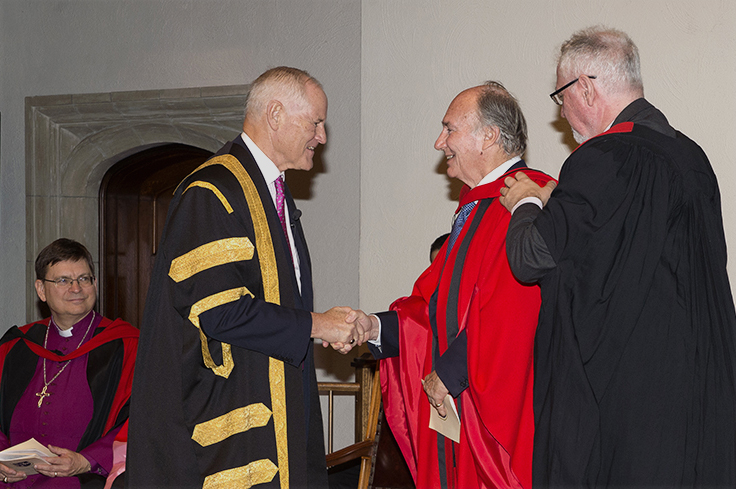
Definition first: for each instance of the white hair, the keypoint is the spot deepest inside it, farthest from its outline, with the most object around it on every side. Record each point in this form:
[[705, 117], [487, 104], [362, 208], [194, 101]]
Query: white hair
[[282, 83], [608, 54]]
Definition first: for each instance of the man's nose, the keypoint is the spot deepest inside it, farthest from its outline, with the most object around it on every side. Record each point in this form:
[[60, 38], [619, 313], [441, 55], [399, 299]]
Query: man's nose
[[321, 134], [439, 145]]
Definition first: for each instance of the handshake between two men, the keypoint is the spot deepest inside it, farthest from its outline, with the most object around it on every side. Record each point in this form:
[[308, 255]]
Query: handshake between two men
[[344, 328]]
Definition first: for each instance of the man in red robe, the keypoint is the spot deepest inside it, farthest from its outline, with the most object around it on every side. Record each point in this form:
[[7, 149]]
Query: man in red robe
[[468, 328]]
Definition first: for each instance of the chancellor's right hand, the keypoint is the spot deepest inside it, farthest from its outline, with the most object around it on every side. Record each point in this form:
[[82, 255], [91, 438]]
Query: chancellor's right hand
[[368, 324], [332, 328]]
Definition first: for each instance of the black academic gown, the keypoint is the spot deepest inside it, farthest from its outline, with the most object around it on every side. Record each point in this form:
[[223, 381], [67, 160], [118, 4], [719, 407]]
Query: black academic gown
[[225, 388], [634, 359]]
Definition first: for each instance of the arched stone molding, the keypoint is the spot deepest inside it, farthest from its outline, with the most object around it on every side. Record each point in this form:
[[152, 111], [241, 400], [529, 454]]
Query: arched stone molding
[[73, 140]]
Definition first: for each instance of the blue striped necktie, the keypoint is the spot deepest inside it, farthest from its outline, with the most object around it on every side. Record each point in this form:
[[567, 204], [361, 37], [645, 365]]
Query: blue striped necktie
[[457, 226]]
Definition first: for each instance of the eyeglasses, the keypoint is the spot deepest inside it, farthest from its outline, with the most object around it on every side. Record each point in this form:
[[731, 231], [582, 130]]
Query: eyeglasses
[[556, 95], [66, 282]]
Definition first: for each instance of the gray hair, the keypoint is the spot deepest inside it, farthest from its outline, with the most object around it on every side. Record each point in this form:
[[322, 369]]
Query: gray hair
[[497, 107], [606, 53], [284, 83]]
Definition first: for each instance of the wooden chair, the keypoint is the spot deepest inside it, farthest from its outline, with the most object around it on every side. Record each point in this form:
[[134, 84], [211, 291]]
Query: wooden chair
[[364, 449], [365, 367], [381, 462]]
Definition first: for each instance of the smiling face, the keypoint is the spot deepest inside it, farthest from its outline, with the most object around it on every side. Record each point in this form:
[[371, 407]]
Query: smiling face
[[462, 140], [68, 305], [303, 129]]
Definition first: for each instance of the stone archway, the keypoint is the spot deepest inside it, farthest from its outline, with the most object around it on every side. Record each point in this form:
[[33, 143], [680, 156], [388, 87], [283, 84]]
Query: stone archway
[[72, 140]]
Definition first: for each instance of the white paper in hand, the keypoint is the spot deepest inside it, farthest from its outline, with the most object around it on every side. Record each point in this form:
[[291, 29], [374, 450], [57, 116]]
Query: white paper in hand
[[450, 425], [23, 456]]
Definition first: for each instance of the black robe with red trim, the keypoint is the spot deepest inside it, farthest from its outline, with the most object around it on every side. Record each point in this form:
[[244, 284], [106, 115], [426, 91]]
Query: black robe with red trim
[[475, 293], [111, 359], [635, 350]]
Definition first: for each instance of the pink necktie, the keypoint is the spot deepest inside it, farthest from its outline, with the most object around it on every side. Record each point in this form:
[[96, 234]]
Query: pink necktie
[[279, 184]]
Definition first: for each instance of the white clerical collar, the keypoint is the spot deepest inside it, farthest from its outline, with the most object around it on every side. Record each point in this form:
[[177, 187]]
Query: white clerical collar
[[268, 169], [499, 170], [67, 333], [64, 333]]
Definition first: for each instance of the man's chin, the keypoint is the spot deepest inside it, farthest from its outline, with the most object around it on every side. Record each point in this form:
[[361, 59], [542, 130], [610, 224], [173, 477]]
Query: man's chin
[[579, 138], [305, 164]]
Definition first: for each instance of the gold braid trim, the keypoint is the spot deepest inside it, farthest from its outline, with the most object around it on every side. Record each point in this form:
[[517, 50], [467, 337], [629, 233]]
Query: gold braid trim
[[205, 305], [210, 255], [258, 472], [264, 244], [236, 421], [278, 406], [215, 190], [270, 279]]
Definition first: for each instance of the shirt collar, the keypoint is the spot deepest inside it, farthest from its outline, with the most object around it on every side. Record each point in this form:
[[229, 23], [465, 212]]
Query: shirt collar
[[499, 170], [268, 169], [68, 333]]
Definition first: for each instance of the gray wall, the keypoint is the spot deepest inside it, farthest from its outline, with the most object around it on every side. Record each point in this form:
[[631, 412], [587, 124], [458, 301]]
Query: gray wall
[[417, 55], [58, 47], [50, 47], [390, 69]]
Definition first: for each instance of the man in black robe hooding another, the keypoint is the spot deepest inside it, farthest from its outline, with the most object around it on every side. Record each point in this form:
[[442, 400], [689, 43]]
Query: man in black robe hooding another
[[634, 354]]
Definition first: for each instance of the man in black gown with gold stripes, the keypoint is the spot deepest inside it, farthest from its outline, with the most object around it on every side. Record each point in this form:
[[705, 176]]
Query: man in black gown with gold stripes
[[225, 392]]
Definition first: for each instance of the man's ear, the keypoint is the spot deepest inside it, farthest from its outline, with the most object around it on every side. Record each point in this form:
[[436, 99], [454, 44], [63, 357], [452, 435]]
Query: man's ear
[[491, 135], [275, 114], [40, 290], [587, 88]]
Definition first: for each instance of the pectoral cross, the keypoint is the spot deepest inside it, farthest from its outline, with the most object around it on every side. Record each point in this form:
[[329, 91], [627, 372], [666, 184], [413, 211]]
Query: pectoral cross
[[42, 394]]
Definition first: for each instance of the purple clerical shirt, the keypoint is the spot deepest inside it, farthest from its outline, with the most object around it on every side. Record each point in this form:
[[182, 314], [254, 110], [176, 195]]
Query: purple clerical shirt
[[64, 415]]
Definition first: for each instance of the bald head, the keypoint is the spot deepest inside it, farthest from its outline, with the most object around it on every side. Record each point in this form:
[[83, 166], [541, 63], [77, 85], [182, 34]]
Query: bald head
[[281, 83], [285, 117]]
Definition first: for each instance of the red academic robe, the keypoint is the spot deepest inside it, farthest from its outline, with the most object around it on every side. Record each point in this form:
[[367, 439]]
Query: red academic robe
[[116, 363], [499, 316]]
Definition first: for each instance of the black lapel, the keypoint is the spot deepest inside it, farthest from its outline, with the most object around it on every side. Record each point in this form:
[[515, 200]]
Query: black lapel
[[104, 368], [457, 271], [18, 369], [305, 262], [519, 165]]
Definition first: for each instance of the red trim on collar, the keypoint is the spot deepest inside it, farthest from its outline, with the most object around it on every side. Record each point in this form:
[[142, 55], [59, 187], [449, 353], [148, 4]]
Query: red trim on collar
[[617, 129], [492, 189], [113, 330]]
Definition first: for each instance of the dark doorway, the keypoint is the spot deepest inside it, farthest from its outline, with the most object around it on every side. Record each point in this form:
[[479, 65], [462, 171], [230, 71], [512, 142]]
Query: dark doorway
[[134, 199]]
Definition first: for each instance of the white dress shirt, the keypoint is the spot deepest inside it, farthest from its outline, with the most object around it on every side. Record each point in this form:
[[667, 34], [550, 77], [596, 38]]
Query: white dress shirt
[[270, 173]]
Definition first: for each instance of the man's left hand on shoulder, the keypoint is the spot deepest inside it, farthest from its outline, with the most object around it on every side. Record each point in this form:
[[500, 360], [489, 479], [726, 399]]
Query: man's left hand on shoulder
[[520, 186]]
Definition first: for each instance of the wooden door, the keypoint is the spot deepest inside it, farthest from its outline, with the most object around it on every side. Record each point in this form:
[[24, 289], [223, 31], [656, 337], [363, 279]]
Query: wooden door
[[134, 199]]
